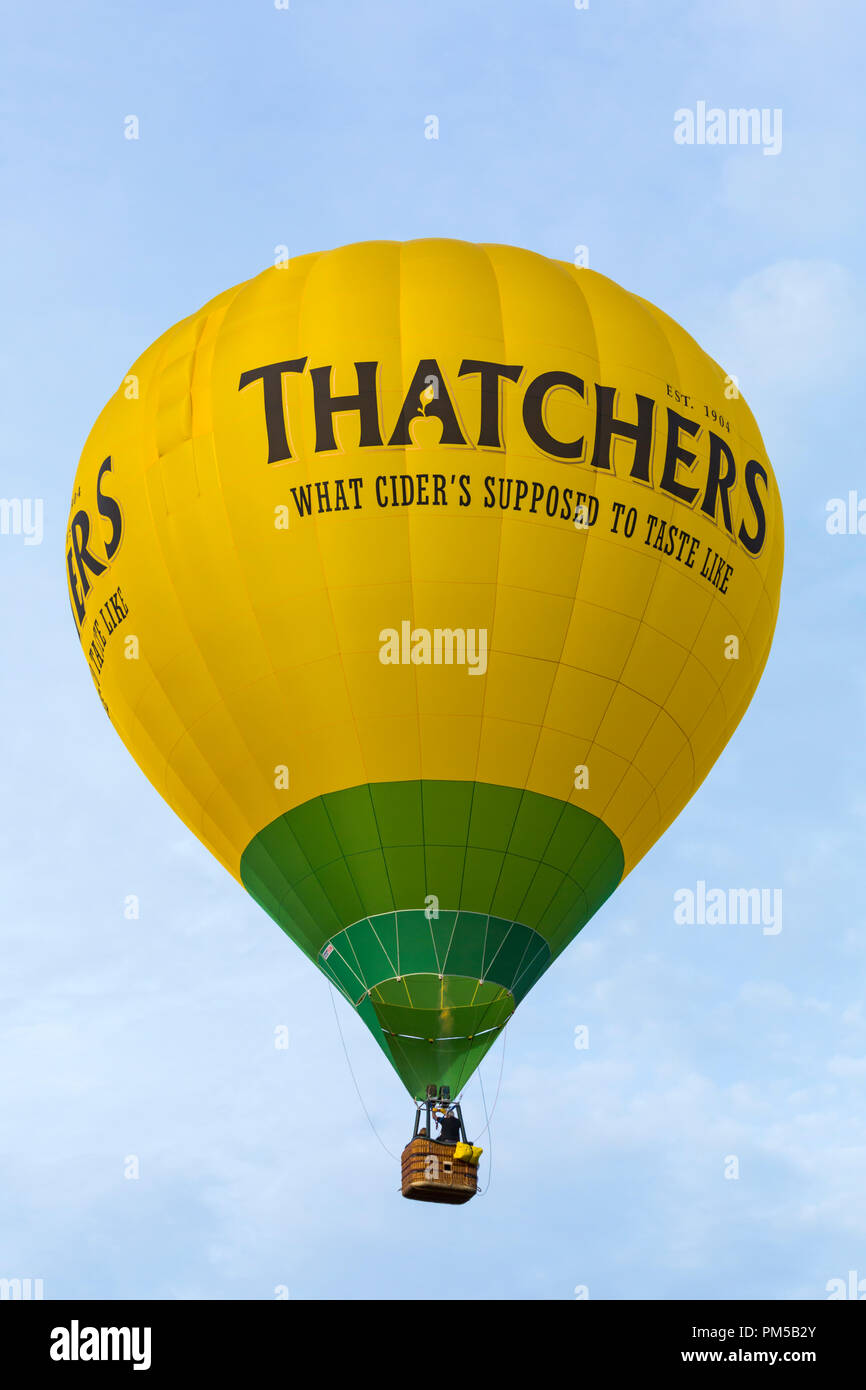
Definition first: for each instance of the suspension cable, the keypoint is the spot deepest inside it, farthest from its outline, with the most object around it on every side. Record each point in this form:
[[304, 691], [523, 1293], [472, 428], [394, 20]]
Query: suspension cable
[[498, 1084], [354, 1079], [484, 1190]]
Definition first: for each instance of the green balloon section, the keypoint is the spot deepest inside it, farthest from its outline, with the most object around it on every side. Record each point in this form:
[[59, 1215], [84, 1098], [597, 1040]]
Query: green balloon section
[[435, 978]]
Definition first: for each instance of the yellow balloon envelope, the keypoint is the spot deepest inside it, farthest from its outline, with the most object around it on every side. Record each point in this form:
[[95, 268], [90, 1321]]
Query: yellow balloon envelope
[[426, 582]]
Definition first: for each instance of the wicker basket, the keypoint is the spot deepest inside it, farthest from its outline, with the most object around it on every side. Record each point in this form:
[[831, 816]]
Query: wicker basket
[[431, 1173]]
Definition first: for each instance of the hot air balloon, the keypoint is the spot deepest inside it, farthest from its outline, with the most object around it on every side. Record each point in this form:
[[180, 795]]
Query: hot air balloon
[[426, 582]]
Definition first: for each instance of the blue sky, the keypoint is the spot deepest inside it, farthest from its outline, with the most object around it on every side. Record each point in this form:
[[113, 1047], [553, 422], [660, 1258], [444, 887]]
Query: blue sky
[[155, 1037]]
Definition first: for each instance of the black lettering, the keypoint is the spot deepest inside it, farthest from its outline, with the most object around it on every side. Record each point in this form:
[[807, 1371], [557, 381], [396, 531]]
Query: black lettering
[[304, 502], [440, 407], [754, 544], [607, 425], [77, 601], [365, 402], [719, 484], [80, 527], [533, 414], [109, 509], [271, 377], [675, 454], [492, 374]]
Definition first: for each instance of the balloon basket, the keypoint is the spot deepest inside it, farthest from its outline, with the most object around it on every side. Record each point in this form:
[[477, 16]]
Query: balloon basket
[[431, 1173]]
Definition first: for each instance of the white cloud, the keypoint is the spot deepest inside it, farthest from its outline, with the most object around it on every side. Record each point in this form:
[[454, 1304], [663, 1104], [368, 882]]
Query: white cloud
[[847, 1066], [767, 994], [792, 326]]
